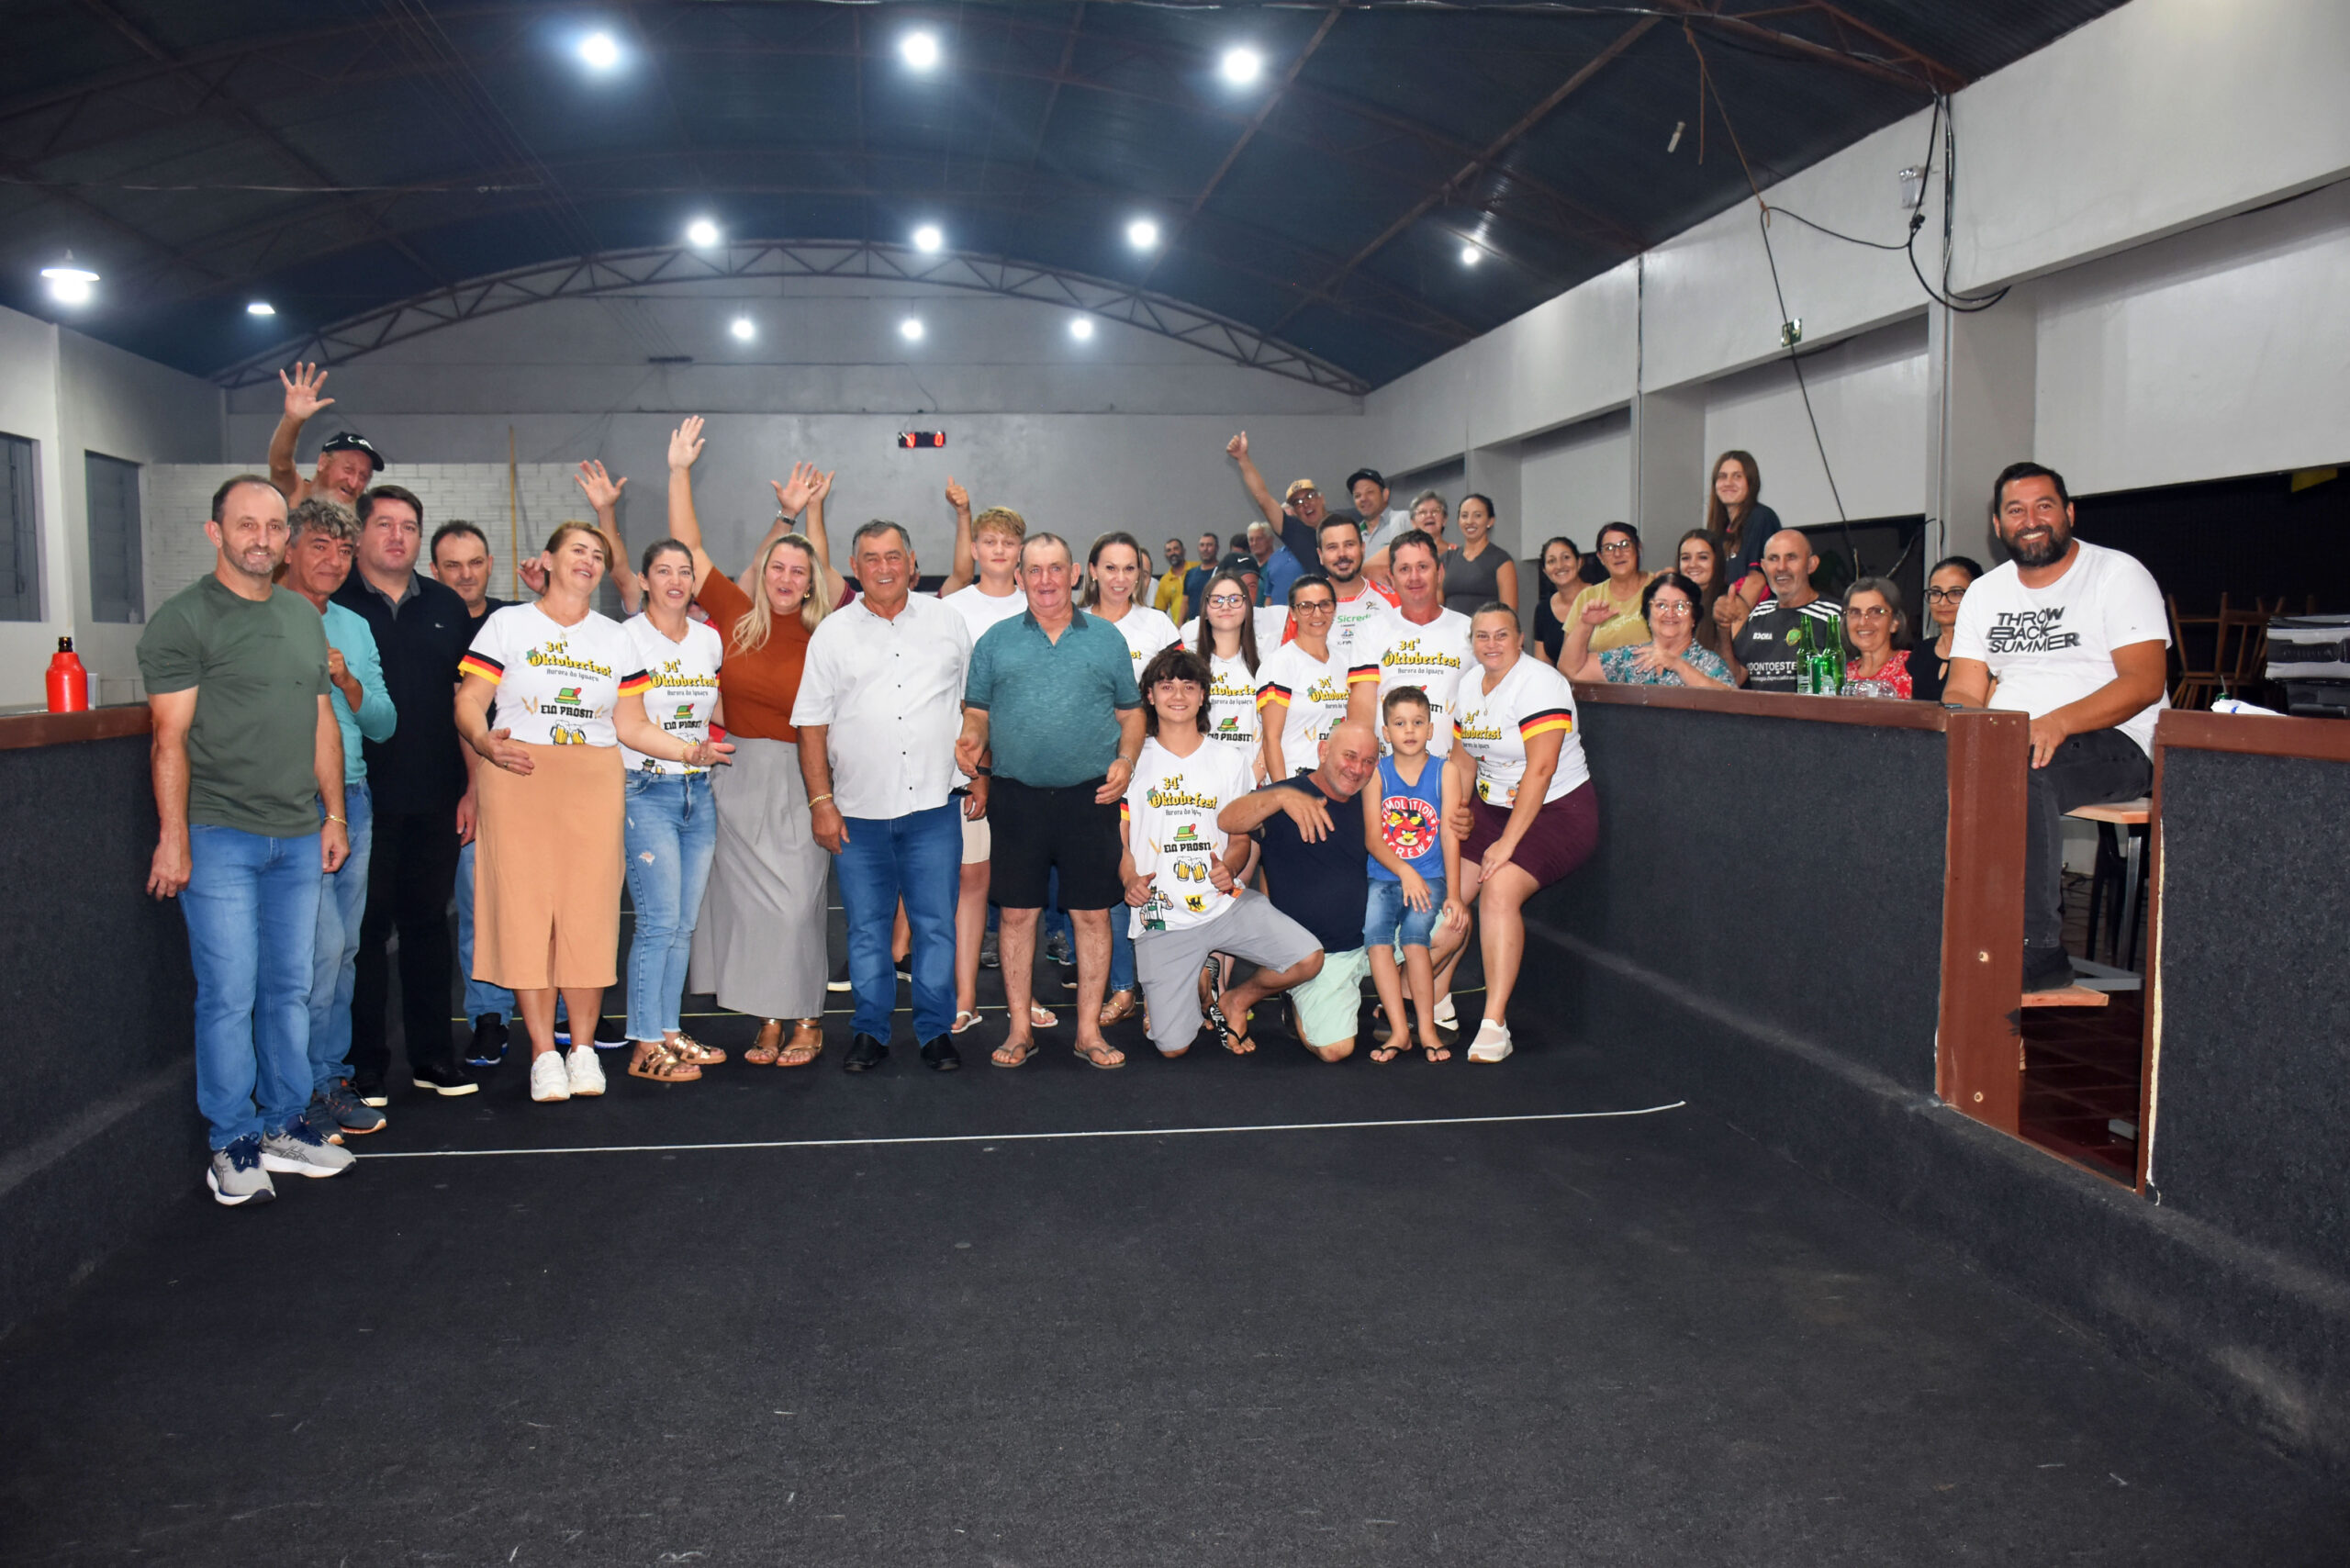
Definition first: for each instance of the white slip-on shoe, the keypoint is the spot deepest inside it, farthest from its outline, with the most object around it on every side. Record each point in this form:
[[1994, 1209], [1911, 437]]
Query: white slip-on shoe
[[1445, 1018], [549, 1079], [1492, 1042], [587, 1077]]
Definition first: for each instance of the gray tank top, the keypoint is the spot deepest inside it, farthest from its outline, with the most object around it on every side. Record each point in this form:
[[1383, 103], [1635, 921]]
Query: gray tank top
[[1468, 583]]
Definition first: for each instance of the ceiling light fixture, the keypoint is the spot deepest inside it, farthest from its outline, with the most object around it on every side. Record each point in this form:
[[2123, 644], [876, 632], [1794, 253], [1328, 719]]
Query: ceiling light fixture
[[702, 233], [910, 329], [261, 307], [1081, 327], [1470, 255], [919, 50], [744, 329], [927, 238], [1241, 66], [598, 51], [1142, 234], [69, 281]]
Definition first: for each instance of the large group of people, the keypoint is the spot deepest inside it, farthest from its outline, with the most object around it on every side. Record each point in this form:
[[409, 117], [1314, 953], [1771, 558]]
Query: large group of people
[[1329, 755]]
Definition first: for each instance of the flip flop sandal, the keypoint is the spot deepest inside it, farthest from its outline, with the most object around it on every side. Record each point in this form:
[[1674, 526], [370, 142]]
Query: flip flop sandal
[[964, 1020], [1026, 1048], [1097, 1056], [1041, 1017], [1237, 1041]]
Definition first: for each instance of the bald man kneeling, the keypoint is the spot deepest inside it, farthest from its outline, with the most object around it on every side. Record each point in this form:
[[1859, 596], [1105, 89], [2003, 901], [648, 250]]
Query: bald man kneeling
[[1318, 873]]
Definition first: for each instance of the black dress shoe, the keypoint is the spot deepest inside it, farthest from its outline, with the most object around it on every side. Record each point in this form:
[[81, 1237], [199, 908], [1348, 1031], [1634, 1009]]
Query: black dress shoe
[[489, 1041], [444, 1078], [370, 1091], [865, 1053], [940, 1055], [2047, 969]]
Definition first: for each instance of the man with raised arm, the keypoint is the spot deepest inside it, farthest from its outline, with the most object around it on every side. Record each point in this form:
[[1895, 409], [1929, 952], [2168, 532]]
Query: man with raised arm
[[2075, 636], [348, 463], [1052, 696], [1338, 549], [246, 754]]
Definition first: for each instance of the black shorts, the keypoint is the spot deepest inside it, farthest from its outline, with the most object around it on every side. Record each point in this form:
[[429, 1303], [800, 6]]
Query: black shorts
[[1038, 830]]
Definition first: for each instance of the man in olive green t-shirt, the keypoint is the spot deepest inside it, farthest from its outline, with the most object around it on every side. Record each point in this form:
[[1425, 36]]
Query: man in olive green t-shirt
[[246, 749]]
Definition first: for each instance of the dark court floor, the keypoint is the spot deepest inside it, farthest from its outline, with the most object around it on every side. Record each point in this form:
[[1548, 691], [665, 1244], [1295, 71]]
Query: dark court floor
[[1632, 1340]]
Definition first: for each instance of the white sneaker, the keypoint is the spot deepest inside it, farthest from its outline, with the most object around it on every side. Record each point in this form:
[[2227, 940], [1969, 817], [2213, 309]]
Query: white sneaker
[[548, 1079], [1445, 1018], [1492, 1042], [587, 1077]]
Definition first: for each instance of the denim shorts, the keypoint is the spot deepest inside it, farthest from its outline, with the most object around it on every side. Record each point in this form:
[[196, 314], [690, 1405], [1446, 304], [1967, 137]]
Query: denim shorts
[[1388, 920]]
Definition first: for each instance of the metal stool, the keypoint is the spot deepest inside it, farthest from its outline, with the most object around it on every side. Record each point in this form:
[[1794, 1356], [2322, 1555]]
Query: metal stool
[[2118, 886]]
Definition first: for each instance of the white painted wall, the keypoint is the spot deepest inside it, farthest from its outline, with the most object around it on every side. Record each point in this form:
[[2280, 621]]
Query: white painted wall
[[29, 409], [2225, 350], [1572, 480]]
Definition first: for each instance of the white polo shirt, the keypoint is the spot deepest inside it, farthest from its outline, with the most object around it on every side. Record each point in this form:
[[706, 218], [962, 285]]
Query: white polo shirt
[[890, 695]]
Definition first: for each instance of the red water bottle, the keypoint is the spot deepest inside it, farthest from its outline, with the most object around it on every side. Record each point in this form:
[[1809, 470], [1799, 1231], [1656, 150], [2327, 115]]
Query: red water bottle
[[69, 683]]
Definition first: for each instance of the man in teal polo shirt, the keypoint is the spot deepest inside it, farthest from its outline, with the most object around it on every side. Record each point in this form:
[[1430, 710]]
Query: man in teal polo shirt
[[1051, 702]]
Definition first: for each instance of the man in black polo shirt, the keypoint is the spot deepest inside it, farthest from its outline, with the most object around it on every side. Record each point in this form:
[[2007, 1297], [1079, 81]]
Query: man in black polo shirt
[[1762, 660], [422, 799]]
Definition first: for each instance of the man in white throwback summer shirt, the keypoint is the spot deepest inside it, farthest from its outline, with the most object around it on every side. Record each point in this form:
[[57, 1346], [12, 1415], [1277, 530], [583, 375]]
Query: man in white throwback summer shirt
[[2075, 636]]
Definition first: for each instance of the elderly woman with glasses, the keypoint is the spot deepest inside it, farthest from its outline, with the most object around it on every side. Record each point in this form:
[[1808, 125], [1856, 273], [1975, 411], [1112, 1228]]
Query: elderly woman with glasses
[[1946, 585], [1875, 628], [1620, 590], [1671, 656]]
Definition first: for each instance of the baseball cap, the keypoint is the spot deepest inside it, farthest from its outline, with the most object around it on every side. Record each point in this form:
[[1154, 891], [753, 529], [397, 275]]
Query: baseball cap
[[1373, 475], [351, 440], [1297, 485]]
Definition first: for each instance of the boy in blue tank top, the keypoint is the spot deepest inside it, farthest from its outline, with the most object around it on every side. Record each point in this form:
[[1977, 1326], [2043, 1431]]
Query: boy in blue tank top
[[1413, 861]]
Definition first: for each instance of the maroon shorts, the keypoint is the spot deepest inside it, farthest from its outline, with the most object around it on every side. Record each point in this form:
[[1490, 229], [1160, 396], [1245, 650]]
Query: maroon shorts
[[1562, 836]]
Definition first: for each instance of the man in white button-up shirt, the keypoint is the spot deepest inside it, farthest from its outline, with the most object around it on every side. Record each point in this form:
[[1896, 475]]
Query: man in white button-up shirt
[[881, 704]]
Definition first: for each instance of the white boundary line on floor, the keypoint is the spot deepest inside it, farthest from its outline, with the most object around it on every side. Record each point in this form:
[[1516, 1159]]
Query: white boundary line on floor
[[1025, 1137]]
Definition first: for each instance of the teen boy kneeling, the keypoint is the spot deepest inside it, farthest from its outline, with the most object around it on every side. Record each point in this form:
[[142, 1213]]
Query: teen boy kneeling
[[1178, 869]]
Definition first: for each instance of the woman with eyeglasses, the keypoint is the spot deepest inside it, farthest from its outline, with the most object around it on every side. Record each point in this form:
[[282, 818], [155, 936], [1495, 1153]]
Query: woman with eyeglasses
[[1620, 591], [1428, 514], [1946, 585], [1874, 629], [1226, 636], [1703, 559], [1671, 656], [1304, 689]]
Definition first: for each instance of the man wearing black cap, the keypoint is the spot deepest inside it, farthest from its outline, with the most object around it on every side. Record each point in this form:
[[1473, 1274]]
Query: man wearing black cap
[[1368, 488], [348, 463]]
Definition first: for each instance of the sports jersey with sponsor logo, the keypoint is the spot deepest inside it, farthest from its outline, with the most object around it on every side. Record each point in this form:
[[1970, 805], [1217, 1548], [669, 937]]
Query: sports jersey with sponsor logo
[[684, 686], [557, 685], [1431, 657], [1531, 699], [1169, 815]]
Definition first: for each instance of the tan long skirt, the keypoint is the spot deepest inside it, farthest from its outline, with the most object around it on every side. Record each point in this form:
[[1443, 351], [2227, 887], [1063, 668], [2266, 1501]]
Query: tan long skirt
[[548, 868]]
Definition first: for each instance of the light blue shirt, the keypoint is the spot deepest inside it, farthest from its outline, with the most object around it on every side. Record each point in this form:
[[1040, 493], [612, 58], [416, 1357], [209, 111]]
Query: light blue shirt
[[348, 635]]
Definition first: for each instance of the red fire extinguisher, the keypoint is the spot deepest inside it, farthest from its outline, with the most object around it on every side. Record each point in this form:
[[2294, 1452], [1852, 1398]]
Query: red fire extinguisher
[[69, 683]]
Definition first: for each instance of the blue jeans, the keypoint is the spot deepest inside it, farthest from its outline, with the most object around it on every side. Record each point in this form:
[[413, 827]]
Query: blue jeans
[[672, 833], [1388, 920], [919, 857], [480, 995], [252, 907], [334, 964]]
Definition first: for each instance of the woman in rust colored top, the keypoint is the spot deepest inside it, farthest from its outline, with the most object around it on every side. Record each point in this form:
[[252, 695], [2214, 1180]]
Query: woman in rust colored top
[[759, 944]]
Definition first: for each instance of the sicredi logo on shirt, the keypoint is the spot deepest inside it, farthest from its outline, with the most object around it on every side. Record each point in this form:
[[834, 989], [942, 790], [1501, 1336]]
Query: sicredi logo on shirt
[[2030, 632]]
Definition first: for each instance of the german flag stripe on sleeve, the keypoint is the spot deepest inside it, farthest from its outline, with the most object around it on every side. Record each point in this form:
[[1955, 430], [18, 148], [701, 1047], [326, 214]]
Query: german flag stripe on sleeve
[[478, 663], [1543, 723], [1357, 675], [1271, 693], [1126, 812], [641, 680]]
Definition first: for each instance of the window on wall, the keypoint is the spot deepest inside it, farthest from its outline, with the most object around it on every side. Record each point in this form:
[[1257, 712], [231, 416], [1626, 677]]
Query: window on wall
[[19, 532], [117, 572]]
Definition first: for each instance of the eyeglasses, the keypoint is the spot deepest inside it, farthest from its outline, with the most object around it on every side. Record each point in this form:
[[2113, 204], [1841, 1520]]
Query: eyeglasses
[[1225, 601], [1944, 596], [1869, 612], [1617, 547], [1316, 606], [1670, 608]]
